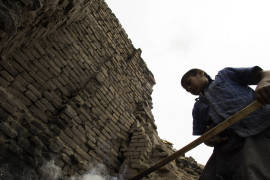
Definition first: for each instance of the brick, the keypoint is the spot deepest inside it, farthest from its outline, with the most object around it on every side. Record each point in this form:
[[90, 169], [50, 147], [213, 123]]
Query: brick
[[68, 141], [43, 69], [91, 144], [78, 134], [5, 128], [37, 78], [6, 76], [20, 58], [27, 77], [70, 111], [64, 91], [38, 113], [17, 67], [9, 67], [54, 146], [37, 142], [50, 85], [20, 96], [53, 98], [24, 143], [82, 153], [4, 83], [19, 86], [47, 104], [31, 95], [34, 91], [7, 106], [40, 106], [54, 67], [42, 77]]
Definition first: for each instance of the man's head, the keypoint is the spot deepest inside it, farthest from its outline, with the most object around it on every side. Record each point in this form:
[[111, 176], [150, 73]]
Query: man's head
[[195, 80]]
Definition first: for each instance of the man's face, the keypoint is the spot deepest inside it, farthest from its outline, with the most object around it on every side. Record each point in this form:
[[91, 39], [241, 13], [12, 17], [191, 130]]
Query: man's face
[[196, 84]]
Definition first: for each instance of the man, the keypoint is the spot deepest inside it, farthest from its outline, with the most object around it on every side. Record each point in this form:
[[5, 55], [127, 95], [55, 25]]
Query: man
[[242, 152]]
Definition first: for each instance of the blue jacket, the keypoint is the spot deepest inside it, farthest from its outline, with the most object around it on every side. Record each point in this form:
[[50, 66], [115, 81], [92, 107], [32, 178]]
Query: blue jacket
[[226, 95]]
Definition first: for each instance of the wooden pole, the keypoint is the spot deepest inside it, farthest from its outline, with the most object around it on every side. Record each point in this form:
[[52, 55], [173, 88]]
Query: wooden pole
[[206, 136]]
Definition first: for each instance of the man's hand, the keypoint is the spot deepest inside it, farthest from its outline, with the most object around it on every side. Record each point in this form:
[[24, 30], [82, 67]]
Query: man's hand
[[215, 141], [262, 91]]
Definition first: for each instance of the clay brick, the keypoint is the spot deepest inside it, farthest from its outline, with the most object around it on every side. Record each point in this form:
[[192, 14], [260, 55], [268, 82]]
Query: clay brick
[[64, 91], [63, 80], [47, 104], [68, 141], [7, 106], [4, 83], [38, 113], [91, 135], [39, 49], [53, 98], [5, 128], [45, 72], [19, 96], [114, 127], [37, 78], [6, 76], [27, 77], [43, 77], [54, 67], [16, 66], [41, 106], [50, 85], [96, 131], [9, 67], [34, 91], [54, 146], [65, 158], [70, 111], [21, 59], [24, 143], [78, 134], [58, 59], [31, 95], [91, 144], [37, 142], [82, 153]]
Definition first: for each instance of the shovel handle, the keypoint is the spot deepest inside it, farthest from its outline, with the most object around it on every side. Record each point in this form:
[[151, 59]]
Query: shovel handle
[[206, 136]]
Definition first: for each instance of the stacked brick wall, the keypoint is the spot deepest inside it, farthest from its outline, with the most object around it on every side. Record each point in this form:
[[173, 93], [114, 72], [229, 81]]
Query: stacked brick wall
[[24, 21], [74, 91]]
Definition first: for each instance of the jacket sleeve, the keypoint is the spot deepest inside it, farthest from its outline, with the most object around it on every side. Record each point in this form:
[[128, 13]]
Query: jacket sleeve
[[200, 117], [244, 76]]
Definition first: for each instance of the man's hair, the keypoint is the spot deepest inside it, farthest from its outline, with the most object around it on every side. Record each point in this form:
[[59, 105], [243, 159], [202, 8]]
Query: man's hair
[[193, 72]]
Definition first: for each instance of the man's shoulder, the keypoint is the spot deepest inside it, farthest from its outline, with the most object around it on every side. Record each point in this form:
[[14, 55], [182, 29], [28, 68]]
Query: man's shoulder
[[226, 73], [225, 70], [200, 101]]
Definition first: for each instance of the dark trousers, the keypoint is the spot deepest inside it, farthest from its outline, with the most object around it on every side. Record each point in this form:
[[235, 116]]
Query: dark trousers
[[240, 159]]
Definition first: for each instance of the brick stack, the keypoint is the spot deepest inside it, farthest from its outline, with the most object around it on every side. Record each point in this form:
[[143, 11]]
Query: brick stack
[[74, 89]]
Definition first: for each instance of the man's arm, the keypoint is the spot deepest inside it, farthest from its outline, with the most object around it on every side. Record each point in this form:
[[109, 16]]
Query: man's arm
[[262, 90], [215, 140]]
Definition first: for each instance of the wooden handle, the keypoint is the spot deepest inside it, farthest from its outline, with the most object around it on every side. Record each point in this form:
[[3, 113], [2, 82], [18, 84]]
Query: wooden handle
[[206, 136]]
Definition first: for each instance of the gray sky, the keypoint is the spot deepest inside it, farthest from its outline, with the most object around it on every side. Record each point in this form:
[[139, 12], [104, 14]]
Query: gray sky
[[177, 35]]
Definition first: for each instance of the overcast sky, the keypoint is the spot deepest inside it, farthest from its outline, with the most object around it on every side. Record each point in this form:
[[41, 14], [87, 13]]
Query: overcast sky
[[177, 35]]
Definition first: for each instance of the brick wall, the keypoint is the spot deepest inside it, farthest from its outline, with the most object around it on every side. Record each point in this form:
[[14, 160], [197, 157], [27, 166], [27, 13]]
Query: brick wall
[[75, 90]]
